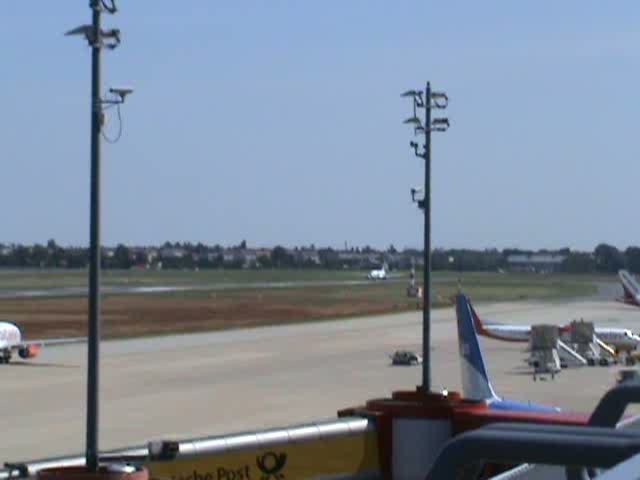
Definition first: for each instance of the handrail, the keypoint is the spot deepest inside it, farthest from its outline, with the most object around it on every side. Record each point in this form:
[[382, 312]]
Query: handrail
[[344, 426], [613, 404], [546, 444]]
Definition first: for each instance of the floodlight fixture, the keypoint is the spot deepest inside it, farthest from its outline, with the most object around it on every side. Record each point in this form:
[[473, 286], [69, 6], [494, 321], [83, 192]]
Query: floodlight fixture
[[109, 6], [439, 124], [81, 30], [414, 192], [413, 121], [418, 101], [440, 100], [113, 34], [122, 92], [88, 32], [414, 145]]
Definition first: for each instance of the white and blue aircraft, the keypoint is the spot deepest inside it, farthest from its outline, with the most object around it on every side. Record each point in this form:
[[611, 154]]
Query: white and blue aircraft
[[475, 380]]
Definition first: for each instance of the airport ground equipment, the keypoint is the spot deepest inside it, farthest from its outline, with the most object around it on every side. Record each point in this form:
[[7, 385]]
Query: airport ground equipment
[[585, 341], [607, 351], [569, 356], [405, 357], [627, 375], [544, 355], [633, 357], [412, 288]]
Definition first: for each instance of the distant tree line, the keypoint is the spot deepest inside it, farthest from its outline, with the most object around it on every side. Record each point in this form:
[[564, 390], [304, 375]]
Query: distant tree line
[[604, 259]]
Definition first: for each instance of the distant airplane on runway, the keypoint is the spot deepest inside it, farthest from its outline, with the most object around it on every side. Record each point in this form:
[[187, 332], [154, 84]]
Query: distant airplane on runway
[[378, 274], [475, 380], [11, 341], [621, 339], [630, 288]]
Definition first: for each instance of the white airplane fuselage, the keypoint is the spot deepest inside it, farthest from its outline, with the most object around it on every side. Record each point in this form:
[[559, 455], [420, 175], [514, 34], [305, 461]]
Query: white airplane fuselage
[[11, 341], [10, 335], [380, 274], [619, 338]]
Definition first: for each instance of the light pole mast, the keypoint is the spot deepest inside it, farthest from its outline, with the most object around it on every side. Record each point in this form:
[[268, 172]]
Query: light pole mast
[[427, 100], [97, 39], [426, 284], [93, 368]]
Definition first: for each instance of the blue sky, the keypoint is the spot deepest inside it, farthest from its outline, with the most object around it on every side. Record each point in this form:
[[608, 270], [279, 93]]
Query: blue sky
[[280, 122]]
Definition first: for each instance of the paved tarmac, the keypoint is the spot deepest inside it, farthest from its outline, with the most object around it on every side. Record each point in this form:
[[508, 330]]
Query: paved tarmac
[[215, 383]]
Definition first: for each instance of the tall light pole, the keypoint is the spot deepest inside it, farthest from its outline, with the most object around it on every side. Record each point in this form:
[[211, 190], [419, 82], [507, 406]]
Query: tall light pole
[[426, 100], [97, 39]]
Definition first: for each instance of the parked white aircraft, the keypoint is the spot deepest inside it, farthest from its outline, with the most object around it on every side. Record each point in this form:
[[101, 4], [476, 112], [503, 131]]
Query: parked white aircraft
[[11, 341], [378, 274], [630, 288], [621, 339]]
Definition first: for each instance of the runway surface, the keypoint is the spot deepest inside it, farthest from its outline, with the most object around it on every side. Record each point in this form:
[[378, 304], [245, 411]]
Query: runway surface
[[215, 383], [9, 294]]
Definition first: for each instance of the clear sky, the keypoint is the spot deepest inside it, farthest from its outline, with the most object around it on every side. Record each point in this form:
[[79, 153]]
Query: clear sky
[[281, 122]]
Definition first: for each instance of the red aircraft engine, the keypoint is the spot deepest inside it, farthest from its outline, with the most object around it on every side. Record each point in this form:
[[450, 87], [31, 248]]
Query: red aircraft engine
[[29, 351]]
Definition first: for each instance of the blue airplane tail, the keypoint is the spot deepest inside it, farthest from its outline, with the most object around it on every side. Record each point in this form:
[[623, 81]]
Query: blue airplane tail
[[475, 380]]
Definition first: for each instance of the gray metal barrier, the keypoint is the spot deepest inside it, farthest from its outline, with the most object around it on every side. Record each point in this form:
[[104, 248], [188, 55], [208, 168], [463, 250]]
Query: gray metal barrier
[[613, 404], [544, 444]]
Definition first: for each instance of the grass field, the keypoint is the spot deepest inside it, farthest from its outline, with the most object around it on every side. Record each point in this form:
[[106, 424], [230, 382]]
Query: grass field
[[197, 310]]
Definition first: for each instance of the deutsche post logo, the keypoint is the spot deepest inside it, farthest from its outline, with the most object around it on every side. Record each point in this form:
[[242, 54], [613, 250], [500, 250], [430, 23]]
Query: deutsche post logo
[[271, 464]]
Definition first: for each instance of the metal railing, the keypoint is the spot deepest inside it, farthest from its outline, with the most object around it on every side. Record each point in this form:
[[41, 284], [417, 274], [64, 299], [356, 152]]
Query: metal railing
[[168, 450]]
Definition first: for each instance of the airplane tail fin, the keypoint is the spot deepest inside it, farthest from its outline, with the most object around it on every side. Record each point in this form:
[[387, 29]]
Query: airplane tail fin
[[630, 287], [477, 323], [475, 381]]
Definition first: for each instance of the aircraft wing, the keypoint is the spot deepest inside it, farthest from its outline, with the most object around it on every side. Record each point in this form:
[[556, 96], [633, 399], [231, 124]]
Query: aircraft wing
[[49, 342], [492, 322]]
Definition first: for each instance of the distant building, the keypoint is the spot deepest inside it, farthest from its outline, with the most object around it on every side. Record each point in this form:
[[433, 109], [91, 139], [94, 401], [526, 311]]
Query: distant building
[[172, 252], [309, 256], [397, 260], [229, 256], [250, 258], [244, 257], [355, 259], [535, 262], [152, 255], [263, 252]]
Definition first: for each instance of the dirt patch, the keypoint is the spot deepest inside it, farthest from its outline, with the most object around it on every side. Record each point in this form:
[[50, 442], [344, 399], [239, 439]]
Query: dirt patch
[[190, 311], [133, 315]]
